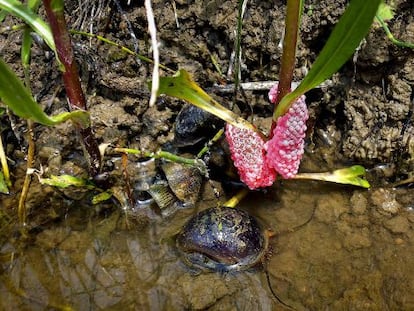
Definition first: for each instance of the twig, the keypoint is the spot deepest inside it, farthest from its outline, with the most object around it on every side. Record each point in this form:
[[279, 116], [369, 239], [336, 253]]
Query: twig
[[21, 209], [122, 48], [175, 14], [155, 73]]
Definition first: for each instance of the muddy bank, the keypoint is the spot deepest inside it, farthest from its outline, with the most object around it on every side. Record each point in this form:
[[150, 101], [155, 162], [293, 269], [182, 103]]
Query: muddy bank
[[354, 254]]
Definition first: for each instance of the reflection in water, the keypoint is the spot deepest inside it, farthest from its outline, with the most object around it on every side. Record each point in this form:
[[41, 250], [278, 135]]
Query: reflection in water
[[354, 254]]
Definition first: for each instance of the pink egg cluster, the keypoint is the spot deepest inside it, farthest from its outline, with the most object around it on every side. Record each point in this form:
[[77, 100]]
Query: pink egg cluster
[[286, 147], [249, 157], [257, 161]]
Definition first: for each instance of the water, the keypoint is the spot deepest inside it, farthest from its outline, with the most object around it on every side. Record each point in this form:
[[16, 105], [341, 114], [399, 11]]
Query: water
[[354, 254]]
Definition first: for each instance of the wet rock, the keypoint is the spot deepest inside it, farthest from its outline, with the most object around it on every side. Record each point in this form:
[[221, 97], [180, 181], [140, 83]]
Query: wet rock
[[199, 295], [397, 224], [384, 200]]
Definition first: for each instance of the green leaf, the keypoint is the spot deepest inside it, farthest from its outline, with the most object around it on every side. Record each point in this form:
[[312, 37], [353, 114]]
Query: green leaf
[[352, 27], [57, 5], [183, 87], [26, 47], [15, 95], [3, 187], [101, 197], [21, 11], [353, 175], [27, 38], [5, 172], [33, 4], [64, 181], [385, 12]]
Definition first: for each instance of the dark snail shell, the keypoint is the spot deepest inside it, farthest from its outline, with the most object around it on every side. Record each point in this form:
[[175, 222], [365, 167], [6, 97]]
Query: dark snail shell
[[224, 239], [193, 125]]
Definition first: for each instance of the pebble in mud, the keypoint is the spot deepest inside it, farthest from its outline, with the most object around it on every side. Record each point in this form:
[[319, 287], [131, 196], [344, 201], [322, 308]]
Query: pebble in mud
[[359, 203]]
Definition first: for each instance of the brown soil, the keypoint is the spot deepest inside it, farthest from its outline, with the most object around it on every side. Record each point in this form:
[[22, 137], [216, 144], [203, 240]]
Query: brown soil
[[354, 254]]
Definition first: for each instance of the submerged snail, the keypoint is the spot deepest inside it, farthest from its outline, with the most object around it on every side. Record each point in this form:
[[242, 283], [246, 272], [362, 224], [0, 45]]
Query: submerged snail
[[227, 239], [223, 239]]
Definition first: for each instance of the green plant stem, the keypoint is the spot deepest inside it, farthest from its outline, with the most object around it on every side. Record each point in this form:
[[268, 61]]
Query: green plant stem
[[210, 143], [55, 15], [390, 36], [160, 154], [288, 60], [351, 28], [237, 56], [234, 200]]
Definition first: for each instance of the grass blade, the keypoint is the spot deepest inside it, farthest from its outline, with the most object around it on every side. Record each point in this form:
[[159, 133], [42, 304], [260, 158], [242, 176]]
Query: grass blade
[[183, 87], [21, 11], [18, 98], [3, 186]]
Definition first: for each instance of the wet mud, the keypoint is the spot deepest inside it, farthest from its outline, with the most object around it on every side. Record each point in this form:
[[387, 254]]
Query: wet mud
[[354, 254]]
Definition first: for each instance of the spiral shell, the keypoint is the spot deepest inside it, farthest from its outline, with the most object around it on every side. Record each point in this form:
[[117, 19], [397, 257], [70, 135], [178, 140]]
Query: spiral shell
[[184, 180], [224, 239]]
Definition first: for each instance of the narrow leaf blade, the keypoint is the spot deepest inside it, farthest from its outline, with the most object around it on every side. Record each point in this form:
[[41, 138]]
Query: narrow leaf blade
[[3, 185], [15, 95], [353, 175], [18, 98], [65, 181], [183, 87], [21, 11]]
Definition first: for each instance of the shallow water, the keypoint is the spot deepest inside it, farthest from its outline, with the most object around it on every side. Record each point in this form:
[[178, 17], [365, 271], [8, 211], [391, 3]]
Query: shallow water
[[354, 254]]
